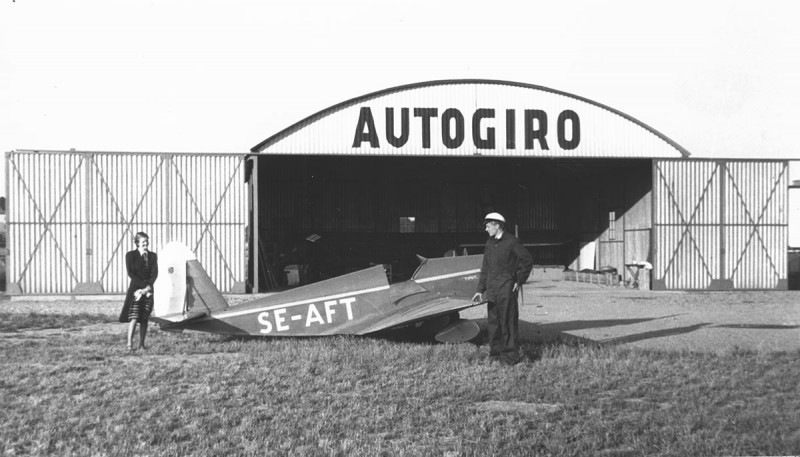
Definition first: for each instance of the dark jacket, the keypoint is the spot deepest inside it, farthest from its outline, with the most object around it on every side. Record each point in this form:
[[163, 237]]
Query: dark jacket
[[140, 277], [505, 262]]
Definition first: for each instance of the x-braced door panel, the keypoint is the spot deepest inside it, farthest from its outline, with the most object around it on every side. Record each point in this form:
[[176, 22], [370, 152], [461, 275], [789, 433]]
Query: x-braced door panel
[[719, 225]]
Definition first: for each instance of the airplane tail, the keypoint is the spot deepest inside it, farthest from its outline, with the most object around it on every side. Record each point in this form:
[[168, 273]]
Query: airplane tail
[[202, 295], [183, 289]]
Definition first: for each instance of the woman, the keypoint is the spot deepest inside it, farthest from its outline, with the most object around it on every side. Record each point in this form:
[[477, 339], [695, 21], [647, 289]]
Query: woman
[[142, 266]]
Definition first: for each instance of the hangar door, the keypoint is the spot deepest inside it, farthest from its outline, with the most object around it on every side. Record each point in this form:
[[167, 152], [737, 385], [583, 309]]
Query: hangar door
[[72, 216], [720, 224]]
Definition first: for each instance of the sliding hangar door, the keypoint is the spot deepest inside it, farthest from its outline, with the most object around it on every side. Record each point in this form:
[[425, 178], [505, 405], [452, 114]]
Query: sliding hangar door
[[72, 216], [412, 170], [720, 224]]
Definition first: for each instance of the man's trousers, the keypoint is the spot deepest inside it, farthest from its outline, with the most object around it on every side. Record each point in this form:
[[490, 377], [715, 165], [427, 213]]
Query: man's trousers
[[503, 326]]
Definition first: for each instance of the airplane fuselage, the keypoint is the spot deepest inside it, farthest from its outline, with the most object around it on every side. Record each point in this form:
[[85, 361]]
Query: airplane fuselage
[[358, 303]]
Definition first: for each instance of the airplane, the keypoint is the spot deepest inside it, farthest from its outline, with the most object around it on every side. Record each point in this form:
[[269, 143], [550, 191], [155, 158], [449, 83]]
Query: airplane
[[359, 303]]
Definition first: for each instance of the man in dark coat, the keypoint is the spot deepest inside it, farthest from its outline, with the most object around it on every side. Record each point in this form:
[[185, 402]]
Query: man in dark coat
[[506, 267]]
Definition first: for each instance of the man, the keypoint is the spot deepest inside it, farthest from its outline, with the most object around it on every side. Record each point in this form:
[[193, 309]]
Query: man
[[506, 267]]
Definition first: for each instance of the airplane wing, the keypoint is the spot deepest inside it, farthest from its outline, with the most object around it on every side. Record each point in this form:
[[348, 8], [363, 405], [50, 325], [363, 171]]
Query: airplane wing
[[420, 311]]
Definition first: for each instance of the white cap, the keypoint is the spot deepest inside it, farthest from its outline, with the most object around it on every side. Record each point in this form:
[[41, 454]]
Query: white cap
[[494, 217]]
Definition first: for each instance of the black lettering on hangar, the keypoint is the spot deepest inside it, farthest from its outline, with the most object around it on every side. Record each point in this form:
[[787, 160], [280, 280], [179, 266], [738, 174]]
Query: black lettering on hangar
[[535, 128]]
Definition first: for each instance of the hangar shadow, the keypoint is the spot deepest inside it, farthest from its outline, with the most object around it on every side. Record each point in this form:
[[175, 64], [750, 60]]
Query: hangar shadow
[[534, 337], [759, 326], [654, 334], [539, 336]]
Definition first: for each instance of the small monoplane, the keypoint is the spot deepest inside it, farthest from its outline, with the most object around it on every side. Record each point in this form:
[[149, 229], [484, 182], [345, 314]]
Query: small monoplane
[[359, 303]]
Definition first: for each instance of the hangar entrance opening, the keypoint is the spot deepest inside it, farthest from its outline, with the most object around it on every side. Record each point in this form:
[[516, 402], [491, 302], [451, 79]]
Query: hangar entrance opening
[[317, 217]]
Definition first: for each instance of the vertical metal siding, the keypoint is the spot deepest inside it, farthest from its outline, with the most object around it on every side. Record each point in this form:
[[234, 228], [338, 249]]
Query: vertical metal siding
[[48, 227], [756, 220], [688, 192], [211, 213], [686, 223], [73, 215], [127, 190], [766, 204], [720, 224], [758, 256], [687, 256]]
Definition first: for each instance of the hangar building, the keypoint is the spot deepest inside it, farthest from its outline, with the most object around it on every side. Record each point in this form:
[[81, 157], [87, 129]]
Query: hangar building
[[409, 171]]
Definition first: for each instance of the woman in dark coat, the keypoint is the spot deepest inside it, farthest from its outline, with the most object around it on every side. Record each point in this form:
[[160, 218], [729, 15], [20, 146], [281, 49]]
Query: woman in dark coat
[[142, 266]]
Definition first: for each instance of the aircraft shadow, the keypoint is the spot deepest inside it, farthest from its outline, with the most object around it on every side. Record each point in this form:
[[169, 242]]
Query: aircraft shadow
[[410, 334]]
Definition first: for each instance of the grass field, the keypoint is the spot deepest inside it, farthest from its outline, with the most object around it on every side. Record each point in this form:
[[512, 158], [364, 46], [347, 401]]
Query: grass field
[[77, 391]]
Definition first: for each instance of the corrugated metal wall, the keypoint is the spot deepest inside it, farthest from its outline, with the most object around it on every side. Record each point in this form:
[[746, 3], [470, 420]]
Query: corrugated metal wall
[[720, 224], [72, 216]]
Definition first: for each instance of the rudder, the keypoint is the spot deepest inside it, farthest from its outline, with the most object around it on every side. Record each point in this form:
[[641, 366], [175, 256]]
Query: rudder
[[201, 293], [183, 289], [170, 286]]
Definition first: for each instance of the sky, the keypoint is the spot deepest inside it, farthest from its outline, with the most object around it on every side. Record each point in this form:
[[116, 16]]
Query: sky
[[719, 78]]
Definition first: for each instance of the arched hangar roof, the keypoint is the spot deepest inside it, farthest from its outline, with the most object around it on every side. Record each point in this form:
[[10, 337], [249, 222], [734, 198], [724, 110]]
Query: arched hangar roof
[[472, 117]]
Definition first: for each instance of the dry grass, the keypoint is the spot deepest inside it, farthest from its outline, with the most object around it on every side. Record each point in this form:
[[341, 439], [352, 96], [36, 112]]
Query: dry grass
[[81, 393]]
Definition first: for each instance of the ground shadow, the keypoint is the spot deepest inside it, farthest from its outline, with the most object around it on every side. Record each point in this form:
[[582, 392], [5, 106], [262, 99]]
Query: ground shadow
[[758, 326], [653, 334], [534, 337], [549, 332], [570, 326]]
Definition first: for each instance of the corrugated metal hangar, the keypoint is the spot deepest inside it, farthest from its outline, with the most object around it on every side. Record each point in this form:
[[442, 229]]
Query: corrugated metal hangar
[[404, 171]]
